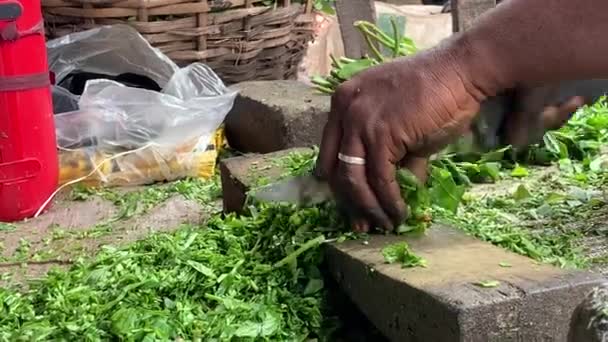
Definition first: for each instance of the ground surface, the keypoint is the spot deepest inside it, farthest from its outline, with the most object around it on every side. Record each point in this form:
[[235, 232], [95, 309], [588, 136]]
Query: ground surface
[[78, 227], [592, 225]]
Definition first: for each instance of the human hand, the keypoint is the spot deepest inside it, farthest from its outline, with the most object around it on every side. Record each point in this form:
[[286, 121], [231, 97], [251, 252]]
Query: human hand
[[537, 111], [396, 113]]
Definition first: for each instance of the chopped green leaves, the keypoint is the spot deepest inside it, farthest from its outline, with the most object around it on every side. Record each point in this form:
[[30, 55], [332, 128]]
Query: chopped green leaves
[[488, 283], [521, 193], [519, 171], [444, 191], [401, 253]]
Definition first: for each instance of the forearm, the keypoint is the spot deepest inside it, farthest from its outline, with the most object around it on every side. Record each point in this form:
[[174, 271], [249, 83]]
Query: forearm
[[527, 42]]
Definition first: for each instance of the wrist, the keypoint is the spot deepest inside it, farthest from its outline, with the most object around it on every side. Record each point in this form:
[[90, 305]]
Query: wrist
[[477, 64]]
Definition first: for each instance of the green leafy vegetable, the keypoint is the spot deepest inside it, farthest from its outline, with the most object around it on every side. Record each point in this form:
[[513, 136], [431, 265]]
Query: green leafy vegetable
[[488, 283], [519, 171], [521, 193], [401, 253]]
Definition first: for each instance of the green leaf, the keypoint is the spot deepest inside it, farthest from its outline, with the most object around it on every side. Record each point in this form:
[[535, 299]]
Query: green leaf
[[249, 329], [505, 264], [490, 170], [599, 164], [202, 269], [444, 192], [566, 166], [313, 286], [519, 171], [488, 283], [351, 69], [400, 252], [551, 143], [521, 193]]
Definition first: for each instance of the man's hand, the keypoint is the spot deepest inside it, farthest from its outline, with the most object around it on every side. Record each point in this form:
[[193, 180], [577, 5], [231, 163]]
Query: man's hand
[[397, 113], [538, 112], [388, 125], [410, 108]]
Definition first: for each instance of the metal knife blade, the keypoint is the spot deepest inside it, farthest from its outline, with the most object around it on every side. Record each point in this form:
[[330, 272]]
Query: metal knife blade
[[302, 190]]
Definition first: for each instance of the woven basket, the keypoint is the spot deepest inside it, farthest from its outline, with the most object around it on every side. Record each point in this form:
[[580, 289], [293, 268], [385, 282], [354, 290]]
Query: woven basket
[[239, 39]]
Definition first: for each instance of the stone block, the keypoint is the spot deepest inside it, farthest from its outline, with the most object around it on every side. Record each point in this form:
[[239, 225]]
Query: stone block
[[590, 320], [240, 174], [269, 116], [442, 303]]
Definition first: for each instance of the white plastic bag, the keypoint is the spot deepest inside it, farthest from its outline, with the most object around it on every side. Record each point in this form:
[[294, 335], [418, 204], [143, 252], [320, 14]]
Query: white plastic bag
[[163, 133]]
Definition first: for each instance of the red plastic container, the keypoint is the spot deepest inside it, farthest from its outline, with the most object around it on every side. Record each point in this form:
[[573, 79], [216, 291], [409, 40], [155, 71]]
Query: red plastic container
[[28, 153]]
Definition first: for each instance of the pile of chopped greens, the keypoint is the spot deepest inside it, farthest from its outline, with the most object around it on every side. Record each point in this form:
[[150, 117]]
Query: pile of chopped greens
[[253, 276]]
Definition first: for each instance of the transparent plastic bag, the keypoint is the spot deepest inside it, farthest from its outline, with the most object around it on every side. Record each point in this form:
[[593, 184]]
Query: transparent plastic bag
[[114, 50], [122, 135], [63, 100]]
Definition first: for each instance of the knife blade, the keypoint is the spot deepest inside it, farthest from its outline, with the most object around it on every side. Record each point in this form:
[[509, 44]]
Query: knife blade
[[302, 190]]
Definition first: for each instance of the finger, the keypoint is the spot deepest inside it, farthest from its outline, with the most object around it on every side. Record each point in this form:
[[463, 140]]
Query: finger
[[345, 209], [381, 174], [352, 184], [360, 226], [327, 160]]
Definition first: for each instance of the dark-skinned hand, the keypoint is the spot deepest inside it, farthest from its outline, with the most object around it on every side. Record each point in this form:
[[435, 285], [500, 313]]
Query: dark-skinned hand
[[397, 115]]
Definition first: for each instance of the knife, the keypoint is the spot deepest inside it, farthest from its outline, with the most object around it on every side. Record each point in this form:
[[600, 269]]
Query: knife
[[307, 189], [303, 190]]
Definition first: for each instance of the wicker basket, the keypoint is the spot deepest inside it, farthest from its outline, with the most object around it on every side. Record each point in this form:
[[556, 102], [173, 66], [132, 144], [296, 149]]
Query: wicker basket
[[239, 39]]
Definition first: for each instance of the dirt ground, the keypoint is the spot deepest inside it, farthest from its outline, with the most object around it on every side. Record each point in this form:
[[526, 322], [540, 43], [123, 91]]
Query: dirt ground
[[79, 228]]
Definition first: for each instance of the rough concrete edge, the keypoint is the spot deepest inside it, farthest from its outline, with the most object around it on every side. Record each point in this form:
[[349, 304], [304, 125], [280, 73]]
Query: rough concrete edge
[[231, 189], [255, 111], [537, 311], [390, 315], [469, 322]]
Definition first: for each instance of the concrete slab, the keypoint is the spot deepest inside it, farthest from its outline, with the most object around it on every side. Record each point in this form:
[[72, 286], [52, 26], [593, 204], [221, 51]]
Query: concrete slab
[[240, 174], [442, 303], [269, 116], [590, 320]]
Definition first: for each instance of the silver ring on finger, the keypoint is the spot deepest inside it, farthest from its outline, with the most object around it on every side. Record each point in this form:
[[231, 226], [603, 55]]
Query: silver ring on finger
[[351, 160]]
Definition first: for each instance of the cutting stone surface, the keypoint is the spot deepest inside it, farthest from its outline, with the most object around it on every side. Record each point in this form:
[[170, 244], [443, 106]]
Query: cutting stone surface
[[446, 301], [270, 116]]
